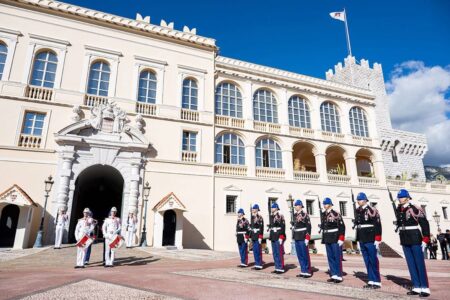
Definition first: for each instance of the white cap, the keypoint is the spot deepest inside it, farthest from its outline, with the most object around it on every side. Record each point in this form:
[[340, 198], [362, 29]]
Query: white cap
[[114, 209], [87, 210]]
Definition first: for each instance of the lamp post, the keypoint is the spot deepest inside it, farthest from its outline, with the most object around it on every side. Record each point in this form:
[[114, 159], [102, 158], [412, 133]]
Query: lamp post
[[48, 187], [437, 218], [144, 228], [290, 202]]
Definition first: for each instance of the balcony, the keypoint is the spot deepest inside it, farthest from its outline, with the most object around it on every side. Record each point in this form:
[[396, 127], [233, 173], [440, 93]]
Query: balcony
[[267, 127], [362, 141], [231, 170], [301, 132], [340, 179], [269, 173], [418, 186], [396, 183], [147, 109], [306, 176], [333, 137], [93, 100], [38, 93], [368, 181], [230, 122], [438, 187], [189, 115], [189, 156], [30, 141]]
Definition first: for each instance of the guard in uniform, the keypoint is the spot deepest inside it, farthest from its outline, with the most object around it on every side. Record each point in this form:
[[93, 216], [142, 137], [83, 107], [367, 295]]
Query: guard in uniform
[[368, 234], [131, 227], [111, 227], [242, 236], [256, 234], [333, 237], [414, 237], [301, 234], [60, 223], [85, 226], [277, 237]]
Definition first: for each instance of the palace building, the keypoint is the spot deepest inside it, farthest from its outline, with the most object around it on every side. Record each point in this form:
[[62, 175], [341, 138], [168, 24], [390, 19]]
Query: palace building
[[105, 104]]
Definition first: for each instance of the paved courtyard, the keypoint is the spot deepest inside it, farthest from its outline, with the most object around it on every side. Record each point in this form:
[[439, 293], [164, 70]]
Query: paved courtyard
[[194, 274]]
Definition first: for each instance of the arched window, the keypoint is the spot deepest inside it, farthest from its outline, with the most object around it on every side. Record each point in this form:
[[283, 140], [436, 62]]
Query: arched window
[[147, 87], [3, 55], [329, 116], [98, 83], [299, 112], [190, 94], [358, 122], [44, 69], [268, 154], [265, 107], [228, 100], [230, 149]]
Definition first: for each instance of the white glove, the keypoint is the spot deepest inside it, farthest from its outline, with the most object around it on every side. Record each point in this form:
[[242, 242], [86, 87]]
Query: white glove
[[340, 243], [377, 244], [246, 241], [424, 246], [259, 241], [306, 243], [280, 241]]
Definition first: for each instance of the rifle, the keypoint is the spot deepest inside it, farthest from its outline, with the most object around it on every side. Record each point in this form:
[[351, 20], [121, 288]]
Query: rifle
[[270, 216], [321, 215], [355, 222], [394, 206]]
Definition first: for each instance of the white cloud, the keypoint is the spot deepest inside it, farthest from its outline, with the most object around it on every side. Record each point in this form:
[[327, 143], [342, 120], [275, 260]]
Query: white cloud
[[418, 103]]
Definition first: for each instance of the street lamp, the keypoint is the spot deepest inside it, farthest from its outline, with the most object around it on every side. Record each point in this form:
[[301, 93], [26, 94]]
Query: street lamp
[[48, 187], [437, 218], [290, 202], [144, 233]]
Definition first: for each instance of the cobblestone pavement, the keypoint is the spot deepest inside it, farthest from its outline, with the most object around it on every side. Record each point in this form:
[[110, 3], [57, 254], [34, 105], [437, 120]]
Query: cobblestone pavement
[[10, 254], [198, 274]]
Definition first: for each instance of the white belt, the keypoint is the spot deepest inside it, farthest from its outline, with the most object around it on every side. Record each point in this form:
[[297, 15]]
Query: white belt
[[409, 227], [275, 229], [331, 230], [300, 229], [255, 229], [241, 232], [365, 225]]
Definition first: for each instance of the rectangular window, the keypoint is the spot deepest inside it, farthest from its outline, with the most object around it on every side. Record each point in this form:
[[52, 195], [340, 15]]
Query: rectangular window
[[444, 213], [231, 204], [189, 141], [33, 123], [265, 157], [226, 154], [424, 208], [343, 208], [310, 207]]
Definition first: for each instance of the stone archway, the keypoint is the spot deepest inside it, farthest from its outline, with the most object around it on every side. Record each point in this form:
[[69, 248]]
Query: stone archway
[[105, 139]]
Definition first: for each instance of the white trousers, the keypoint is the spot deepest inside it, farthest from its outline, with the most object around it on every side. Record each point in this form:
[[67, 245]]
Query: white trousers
[[130, 238], [81, 254], [109, 253], [58, 235]]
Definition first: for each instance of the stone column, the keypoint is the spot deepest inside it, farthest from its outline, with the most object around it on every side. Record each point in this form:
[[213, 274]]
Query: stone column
[[250, 158], [66, 157], [321, 166], [134, 187], [352, 171], [288, 164]]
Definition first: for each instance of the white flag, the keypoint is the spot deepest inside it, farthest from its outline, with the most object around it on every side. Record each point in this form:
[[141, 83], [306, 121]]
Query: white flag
[[340, 15]]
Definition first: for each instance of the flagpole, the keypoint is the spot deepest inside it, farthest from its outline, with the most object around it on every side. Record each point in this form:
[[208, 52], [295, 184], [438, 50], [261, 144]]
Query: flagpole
[[349, 47]]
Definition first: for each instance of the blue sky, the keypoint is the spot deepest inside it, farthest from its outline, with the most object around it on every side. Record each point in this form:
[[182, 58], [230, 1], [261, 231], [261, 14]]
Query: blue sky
[[411, 37]]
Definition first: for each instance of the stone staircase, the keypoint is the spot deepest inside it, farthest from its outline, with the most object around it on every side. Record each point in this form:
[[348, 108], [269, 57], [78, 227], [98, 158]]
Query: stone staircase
[[387, 251]]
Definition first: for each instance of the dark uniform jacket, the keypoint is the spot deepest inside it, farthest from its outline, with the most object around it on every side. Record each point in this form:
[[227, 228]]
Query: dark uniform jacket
[[441, 238], [277, 227], [301, 228], [333, 227], [409, 217], [256, 227], [368, 224], [242, 230]]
